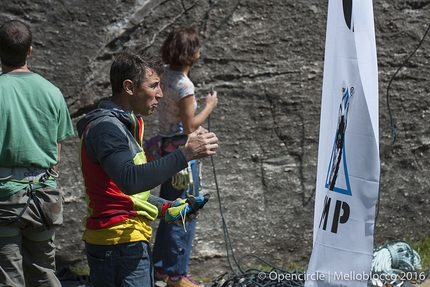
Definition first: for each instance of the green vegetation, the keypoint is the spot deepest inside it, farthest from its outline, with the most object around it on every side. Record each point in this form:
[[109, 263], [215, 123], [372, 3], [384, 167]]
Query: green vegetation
[[423, 248], [80, 270]]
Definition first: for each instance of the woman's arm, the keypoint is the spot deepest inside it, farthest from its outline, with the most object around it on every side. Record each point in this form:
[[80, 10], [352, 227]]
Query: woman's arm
[[190, 121]]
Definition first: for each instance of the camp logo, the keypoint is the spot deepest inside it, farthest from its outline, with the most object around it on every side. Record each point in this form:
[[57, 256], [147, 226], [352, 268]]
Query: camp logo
[[337, 179]]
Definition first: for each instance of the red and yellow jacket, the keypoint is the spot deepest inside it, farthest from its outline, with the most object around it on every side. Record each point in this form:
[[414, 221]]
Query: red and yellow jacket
[[117, 178]]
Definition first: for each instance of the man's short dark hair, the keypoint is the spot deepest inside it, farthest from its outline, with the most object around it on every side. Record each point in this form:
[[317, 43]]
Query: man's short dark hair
[[132, 66], [15, 41]]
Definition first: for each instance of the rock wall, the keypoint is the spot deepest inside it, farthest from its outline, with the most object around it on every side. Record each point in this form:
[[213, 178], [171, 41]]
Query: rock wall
[[265, 59]]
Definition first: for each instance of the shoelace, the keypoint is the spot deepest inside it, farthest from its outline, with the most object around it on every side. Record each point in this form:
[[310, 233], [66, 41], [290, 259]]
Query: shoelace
[[183, 217]]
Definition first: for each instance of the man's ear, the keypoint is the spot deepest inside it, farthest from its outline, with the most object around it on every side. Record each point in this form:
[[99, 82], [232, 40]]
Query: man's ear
[[29, 51], [128, 86]]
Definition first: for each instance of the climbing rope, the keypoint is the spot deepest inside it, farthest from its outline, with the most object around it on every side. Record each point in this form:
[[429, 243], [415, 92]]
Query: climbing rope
[[275, 277], [239, 277], [396, 262], [395, 258]]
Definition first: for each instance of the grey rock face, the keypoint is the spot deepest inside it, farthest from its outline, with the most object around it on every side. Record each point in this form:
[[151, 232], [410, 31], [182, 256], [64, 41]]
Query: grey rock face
[[265, 59]]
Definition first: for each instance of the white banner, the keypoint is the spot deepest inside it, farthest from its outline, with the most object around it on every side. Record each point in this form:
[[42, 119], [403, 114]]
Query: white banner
[[348, 155]]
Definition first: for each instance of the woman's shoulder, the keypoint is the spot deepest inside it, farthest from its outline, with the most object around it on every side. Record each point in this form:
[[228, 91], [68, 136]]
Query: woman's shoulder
[[176, 78]]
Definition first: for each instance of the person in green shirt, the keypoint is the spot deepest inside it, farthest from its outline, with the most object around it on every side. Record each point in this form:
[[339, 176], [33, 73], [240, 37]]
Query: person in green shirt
[[34, 122]]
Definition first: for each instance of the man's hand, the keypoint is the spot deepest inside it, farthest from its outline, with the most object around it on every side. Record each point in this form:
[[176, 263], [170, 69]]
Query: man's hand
[[200, 144]]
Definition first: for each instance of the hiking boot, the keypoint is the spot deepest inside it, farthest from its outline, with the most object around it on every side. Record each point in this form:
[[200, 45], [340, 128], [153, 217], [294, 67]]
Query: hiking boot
[[182, 281], [160, 276]]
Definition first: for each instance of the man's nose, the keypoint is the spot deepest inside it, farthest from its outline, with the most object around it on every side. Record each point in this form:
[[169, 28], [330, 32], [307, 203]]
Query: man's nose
[[160, 94]]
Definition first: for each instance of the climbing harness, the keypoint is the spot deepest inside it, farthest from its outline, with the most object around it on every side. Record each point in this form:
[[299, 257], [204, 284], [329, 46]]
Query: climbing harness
[[154, 148], [29, 175], [31, 193], [184, 179]]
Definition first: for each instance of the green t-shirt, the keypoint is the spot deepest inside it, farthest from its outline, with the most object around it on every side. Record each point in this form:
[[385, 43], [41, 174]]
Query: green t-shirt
[[34, 118]]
